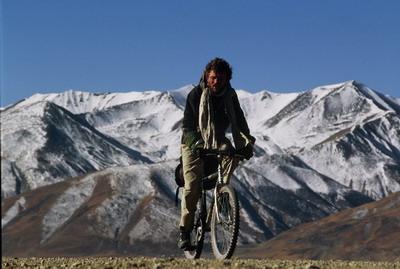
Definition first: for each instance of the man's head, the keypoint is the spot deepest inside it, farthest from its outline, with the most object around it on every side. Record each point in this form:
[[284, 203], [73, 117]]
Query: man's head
[[218, 73]]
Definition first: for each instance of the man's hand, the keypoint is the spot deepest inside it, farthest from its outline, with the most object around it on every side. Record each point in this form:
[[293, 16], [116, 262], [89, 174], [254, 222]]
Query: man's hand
[[247, 151], [199, 144], [193, 141]]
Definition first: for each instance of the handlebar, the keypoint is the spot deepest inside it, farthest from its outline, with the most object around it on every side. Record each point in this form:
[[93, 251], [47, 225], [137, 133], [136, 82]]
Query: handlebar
[[217, 152]]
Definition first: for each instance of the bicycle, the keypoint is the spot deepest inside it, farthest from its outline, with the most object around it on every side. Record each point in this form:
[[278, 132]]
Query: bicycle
[[221, 218]]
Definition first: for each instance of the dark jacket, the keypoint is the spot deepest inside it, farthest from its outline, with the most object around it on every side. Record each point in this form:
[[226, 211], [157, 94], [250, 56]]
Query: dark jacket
[[222, 119]]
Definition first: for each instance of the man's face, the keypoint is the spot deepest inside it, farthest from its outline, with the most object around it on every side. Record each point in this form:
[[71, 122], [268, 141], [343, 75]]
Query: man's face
[[216, 81]]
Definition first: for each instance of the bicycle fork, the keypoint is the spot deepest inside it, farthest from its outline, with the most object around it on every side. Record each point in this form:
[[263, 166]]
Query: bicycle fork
[[219, 183]]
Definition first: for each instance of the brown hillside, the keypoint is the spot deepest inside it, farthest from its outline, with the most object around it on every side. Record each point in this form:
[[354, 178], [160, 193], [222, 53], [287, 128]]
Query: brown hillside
[[81, 234], [368, 232]]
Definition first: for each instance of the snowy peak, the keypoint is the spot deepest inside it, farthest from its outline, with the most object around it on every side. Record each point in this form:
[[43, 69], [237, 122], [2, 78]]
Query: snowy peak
[[351, 91], [44, 143], [315, 115], [180, 94], [384, 102], [151, 125], [365, 158], [79, 102], [149, 122], [260, 107]]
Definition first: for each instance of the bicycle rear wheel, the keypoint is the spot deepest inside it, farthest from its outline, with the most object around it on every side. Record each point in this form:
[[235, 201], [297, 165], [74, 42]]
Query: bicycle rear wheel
[[196, 237], [225, 227]]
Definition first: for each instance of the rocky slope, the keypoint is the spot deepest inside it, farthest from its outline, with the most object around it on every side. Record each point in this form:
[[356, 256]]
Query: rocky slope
[[100, 166], [131, 211], [367, 232]]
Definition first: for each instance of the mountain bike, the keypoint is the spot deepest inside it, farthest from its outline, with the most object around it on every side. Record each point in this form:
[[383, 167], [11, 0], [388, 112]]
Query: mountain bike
[[221, 217]]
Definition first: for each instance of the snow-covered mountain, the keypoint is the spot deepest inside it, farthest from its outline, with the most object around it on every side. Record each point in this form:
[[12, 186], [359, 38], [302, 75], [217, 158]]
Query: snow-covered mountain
[[317, 152], [43, 143]]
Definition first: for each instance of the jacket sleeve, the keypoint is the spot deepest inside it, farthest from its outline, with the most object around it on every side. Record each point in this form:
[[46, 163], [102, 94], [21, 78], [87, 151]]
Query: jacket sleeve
[[190, 120]]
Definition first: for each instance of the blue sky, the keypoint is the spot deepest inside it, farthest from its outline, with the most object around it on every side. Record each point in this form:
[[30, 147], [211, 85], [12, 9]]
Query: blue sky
[[124, 45]]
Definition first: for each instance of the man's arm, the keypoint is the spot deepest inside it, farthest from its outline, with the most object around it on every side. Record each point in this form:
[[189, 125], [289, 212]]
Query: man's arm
[[190, 121]]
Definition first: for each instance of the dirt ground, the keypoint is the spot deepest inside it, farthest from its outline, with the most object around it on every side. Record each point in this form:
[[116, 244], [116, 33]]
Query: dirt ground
[[180, 263]]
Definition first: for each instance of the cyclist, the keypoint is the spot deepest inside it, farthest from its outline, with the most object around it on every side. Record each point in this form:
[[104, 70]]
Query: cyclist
[[211, 107]]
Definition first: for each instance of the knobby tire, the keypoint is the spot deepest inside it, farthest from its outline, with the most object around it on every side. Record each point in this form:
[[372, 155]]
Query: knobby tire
[[224, 235]]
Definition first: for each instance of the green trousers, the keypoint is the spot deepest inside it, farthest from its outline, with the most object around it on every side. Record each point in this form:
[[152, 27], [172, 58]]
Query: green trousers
[[193, 173]]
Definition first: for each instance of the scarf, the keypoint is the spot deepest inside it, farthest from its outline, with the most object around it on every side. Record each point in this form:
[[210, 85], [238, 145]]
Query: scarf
[[206, 118]]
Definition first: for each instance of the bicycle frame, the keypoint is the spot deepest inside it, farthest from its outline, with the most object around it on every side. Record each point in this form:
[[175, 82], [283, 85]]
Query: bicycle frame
[[208, 217], [219, 183]]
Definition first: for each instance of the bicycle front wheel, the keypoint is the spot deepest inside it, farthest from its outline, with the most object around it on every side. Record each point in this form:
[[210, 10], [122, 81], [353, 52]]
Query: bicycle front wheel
[[225, 225]]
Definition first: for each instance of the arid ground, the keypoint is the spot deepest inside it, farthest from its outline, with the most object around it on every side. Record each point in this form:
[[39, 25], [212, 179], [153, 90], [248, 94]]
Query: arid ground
[[180, 263]]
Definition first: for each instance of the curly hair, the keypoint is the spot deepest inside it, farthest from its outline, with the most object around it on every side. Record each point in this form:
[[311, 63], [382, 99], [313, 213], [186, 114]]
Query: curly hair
[[219, 65]]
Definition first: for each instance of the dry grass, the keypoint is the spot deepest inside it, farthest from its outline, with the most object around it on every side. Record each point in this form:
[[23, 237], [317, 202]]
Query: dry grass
[[178, 263]]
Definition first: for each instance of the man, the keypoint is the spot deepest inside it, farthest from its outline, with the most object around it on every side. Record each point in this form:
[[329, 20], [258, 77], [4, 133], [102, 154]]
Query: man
[[211, 107]]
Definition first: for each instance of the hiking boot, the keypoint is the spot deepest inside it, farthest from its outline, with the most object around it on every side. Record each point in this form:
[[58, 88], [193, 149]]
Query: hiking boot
[[184, 239]]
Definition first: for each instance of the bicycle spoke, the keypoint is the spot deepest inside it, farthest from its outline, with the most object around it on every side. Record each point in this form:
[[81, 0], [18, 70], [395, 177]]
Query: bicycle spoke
[[225, 225]]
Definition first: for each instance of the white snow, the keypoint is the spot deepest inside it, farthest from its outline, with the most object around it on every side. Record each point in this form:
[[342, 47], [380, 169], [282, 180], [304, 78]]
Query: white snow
[[334, 108], [377, 98], [81, 102], [245, 215], [66, 205], [261, 106], [129, 187], [149, 122], [14, 210], [22, 134], [148, 227]]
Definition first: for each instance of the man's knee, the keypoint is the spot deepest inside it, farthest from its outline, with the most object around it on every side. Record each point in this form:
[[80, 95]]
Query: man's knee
[[192, 182]]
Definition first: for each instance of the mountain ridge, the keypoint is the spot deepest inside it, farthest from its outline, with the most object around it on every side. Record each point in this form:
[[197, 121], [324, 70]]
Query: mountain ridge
[[339, 151]]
